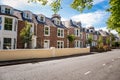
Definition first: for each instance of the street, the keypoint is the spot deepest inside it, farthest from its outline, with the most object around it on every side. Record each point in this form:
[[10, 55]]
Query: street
[[100, 66]]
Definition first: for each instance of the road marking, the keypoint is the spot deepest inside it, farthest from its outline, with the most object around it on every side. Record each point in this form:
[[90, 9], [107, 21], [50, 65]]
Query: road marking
[[112, 59], [87, 73], [103, 64]]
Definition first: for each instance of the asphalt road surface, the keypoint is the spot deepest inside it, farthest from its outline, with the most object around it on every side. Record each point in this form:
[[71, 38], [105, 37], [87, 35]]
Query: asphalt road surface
[[101, 66]]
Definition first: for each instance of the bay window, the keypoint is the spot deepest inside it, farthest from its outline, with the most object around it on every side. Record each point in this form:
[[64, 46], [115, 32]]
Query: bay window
[[8, 24]]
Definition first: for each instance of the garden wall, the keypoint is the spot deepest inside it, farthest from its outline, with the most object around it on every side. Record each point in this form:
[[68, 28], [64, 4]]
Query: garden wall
[[19, 54]]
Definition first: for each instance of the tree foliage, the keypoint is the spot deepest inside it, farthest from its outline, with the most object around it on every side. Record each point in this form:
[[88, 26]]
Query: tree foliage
[[100, 42], [90, 39], [114, 19], [78, 5], [108, 41], [25, 33], [71, 37]]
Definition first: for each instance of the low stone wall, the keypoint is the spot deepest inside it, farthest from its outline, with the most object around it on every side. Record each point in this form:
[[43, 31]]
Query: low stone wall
[[6, 55]]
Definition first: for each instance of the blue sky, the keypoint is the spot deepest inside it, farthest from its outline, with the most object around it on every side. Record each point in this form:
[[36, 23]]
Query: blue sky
[[97, 16]]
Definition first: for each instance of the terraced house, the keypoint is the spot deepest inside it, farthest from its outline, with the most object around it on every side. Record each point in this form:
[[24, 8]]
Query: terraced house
[[46, 32], [8, 28]]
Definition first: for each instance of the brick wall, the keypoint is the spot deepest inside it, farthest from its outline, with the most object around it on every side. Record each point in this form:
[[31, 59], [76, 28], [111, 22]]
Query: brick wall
[[21, 25], [53, 36]]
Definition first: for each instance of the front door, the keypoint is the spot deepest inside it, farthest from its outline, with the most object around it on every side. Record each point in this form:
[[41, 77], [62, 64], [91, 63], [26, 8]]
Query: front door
[[46, 44]]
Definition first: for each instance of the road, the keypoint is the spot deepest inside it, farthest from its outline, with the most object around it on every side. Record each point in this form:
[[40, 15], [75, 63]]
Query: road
[[101, 66]]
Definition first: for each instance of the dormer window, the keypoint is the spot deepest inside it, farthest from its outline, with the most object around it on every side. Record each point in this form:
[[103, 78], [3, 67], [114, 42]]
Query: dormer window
[[27, 15], [7, 10], [41, 18], [91, 31], [58, 22]]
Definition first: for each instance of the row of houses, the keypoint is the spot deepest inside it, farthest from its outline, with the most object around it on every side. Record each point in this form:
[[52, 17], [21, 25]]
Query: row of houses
[[47, 32]]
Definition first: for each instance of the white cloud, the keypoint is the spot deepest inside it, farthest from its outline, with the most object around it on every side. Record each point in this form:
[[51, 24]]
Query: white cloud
[[63, 19], [97, 1], [92, 18], [16, 3]]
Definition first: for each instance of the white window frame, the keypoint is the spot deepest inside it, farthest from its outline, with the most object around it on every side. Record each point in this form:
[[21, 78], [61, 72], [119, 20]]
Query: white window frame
[[48, 30], [81, 35], [77, 43], [81, 44], [57, 22], [39, 18], [27, 15], [8, 24], [61, 45], [61, 33], [7, 47], [7, 11], [48, 43], [77, 32]]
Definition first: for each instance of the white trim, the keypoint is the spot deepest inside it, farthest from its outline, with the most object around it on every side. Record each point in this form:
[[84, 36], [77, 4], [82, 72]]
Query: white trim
[[77, 43], [39, 18], [8, 33], [48, 30], [48, 42], [60, 45], [77, 32], [61, 36]]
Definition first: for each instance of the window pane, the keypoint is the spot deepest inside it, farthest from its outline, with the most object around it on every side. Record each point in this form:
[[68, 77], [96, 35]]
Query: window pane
[[41, 18], [62, 33], [58, 44], [58, 32], [46, 31], [14, 43], [7, 43], [8, 24], [7, 11], [15, 25], [0, 23]]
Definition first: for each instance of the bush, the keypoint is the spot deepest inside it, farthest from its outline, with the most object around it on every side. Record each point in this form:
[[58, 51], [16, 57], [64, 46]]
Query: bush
[[105, 48]]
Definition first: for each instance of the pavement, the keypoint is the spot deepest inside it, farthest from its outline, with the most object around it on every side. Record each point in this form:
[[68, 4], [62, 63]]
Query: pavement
[[101, 66]]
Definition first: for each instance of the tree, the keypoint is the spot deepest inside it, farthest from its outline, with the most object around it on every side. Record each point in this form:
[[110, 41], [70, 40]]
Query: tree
[[90, 39], [78, 5], [114, 19], [100, 42], [108, 41], [71, 38], [26, 34]]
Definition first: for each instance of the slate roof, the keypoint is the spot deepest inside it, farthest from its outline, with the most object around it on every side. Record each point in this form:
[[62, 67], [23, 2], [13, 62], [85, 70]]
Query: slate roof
[[104, 33], [48, 21], [74, 25]]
